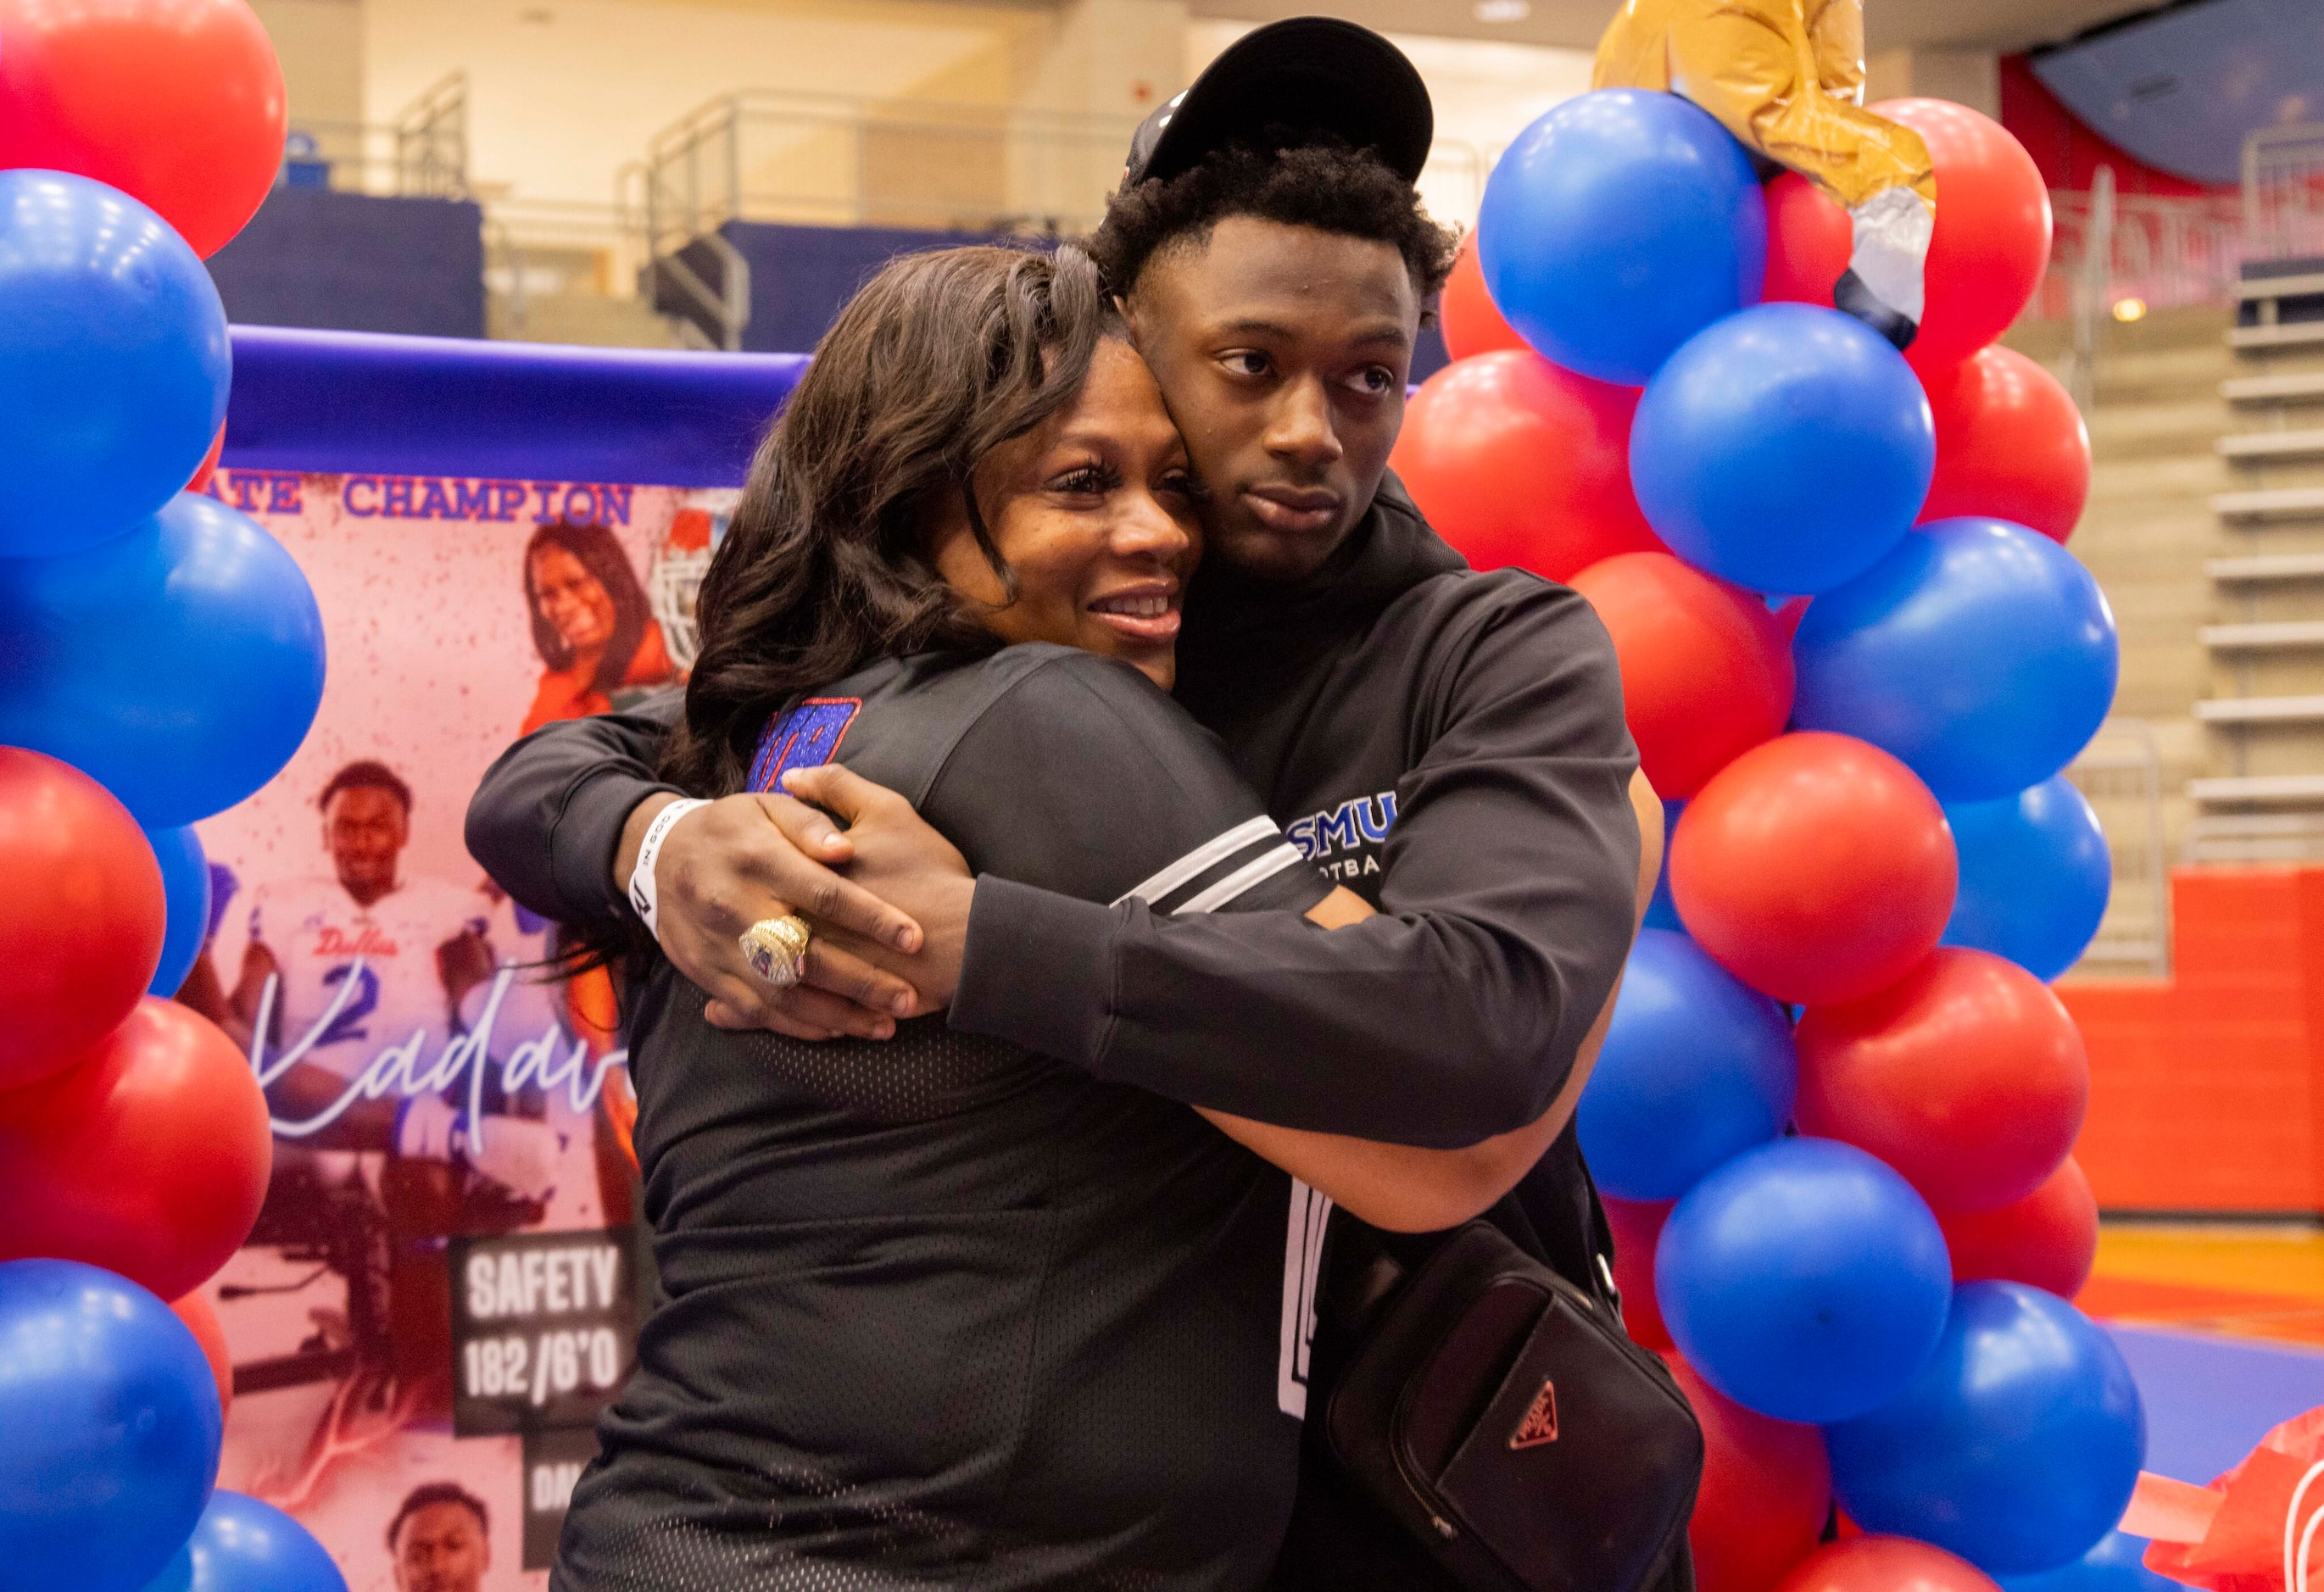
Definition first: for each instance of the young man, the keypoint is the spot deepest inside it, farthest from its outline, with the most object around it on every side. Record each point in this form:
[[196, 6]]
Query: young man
[[1451, 746], [440, 1539], [412, 944]]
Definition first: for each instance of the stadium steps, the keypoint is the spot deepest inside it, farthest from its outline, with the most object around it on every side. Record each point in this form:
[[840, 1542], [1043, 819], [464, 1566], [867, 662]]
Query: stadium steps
[[2263, 637], [2156, 422], [567, 295], [598, 321], [2263, 713]]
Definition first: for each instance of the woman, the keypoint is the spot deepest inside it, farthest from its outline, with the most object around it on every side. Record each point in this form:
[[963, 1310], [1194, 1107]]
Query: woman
[[942, 1312], [599, 646], [600, 649]]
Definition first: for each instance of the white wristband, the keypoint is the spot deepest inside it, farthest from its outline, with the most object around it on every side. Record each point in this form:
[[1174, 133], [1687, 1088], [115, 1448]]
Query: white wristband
[[642, 877]]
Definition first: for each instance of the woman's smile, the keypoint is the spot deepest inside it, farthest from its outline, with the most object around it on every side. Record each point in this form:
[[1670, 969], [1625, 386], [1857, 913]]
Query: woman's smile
[[1147, 614]]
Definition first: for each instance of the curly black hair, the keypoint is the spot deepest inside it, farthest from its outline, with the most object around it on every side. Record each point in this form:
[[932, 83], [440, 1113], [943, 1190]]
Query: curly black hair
[[431, 1492], [1324, 183], [367, 774]]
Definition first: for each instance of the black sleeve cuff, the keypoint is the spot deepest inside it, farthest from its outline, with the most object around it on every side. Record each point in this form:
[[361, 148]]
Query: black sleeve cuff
[[1038, 970], [585, 836]]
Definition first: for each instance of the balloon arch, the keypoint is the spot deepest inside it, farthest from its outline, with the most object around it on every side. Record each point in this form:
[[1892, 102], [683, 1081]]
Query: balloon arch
[[1834, 1112]]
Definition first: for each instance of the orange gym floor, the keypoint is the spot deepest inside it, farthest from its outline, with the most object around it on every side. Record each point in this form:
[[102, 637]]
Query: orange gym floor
[[2256, 1282]]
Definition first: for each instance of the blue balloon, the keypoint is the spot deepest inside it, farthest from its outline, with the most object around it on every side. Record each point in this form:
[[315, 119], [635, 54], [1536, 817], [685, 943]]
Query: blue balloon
[[1662, 912], [1980, 653], [2034, 877], [243, 1545], [2018, 1445], [113, 1429], [186, 889], [113, 361], [2117, 1564], [1618, 225], [1804, 1279], [1787, 448], [178, 666], [1695, 1070]]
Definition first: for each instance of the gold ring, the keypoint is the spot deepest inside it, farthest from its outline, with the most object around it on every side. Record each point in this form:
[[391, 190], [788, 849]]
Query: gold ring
[[775, 949]]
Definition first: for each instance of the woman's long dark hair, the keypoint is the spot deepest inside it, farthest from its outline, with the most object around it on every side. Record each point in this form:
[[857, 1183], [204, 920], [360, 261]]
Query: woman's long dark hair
[[941, 358], [601, 556]]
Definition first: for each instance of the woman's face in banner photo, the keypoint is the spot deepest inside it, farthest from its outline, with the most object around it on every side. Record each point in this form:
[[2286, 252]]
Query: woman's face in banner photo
[[573, 601], [1094, 513]]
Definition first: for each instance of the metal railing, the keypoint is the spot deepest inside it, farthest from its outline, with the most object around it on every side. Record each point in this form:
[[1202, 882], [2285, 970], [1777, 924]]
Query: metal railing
[[423, 154], [706, 289], [2284, 192], [756, 155], [2110, 247], [591, 248], [2088, 283], [431, 140], [2120, 773]]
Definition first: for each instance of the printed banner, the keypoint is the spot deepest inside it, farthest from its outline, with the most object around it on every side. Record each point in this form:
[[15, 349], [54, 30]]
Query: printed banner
[[444, 1285]]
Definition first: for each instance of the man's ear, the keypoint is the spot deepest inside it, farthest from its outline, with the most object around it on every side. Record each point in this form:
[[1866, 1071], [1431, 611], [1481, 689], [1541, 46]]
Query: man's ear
[[1127, 307]]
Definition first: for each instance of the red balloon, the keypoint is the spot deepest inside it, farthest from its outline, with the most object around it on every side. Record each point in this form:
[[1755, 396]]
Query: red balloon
[[1706, 668], [2049, 1239], [201, 479], [80, 923], [1992, 238], [1809, 241], [202, 1322], [1516, 461], [2010, 444], [149, 1158], [1767, 1491], [1638, 1226], [178, 103], [1886, 1564], [1966, 1076], [1814, 868], [1473, 322]]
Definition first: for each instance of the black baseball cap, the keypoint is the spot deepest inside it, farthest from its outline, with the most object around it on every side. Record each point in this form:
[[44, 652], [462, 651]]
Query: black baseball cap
[[1307, 75]]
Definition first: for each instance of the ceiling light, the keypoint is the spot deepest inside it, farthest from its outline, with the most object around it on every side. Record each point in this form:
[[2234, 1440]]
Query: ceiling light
[[1501, 11]]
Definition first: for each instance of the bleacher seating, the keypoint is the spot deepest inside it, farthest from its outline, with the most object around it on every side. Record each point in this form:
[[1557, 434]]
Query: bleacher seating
[[353, 261]]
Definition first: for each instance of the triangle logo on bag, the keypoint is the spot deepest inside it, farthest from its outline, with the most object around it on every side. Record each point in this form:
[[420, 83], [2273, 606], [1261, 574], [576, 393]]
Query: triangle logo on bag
[[1540, 1423]]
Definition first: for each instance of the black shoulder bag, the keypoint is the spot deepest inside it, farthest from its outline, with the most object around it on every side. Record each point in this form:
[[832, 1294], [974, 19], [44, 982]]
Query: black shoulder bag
[[1505, 1418]]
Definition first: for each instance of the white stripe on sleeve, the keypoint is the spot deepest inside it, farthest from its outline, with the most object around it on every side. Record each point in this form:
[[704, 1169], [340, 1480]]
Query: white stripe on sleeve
[[1241, 879], [1209, 854]]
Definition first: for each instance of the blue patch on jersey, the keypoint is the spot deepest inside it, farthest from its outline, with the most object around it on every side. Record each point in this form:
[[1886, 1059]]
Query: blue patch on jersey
[[807, 737]]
